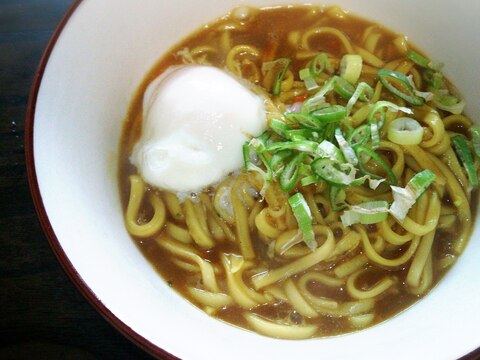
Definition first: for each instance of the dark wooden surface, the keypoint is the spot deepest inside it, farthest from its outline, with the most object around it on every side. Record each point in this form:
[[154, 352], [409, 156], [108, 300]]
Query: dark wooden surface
[[42, 314]]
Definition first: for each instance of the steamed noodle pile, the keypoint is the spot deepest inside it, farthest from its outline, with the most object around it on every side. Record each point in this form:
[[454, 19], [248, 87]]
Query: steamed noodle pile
[[238, 249]]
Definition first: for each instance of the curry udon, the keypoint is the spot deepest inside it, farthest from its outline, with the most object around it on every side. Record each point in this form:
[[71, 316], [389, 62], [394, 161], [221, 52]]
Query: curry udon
[[236, 249]]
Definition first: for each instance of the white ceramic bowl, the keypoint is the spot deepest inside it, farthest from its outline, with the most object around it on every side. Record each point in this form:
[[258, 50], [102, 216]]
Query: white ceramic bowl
[[86, 79]]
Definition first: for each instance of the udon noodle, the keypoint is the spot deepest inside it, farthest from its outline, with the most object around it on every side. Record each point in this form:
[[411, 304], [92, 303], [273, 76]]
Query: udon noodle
[[235, 250]]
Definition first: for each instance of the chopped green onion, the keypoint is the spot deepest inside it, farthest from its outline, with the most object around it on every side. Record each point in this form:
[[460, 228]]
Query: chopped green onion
[[375, 135], [475, 132], [309, 180], [308, 79], [337, 198], [371, 212], [289, 176], [279, 127], [330, 114], [405, 131], [423, 62], [421, 181], [304, 120], [282, 64], [347, 150], [329, 151], [302, 213], [260, 143], [351, 67], [277, 162], [320, 63], [300, 134], [380, 105], [359, 136], [391, 178], [433, 78], [333, 172], [249, 157], [343, 88], [409, 95], [318, 100], [446, 104], [463, 152], [363, 92], [305, 145], [405, 198]]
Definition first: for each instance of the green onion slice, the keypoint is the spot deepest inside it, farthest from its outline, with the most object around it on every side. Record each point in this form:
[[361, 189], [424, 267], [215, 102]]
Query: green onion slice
[[308, 79], [381, 105], [475, 132], [302, 213], [391, 178], [343, 88], [337, 198], [450, 104], [329, 151], [463, 151], [366, 213], [334, 172], [405, 198], [305, 146], [289, 176], [309, 180], [423, 62], [363, 92], [405, 131], [433, 78], [279, 126], [318, 100], [347, 150], [277, 162], [351, 67], [359, 135], [330, 114], [408, 95], [320, 63], [281, 65], [375, 135]]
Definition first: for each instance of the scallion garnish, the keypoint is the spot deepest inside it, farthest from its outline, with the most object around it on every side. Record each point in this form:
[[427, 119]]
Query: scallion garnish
[[279, 126], [423, 62], [475, 132], [280, 65], [330, 114], [351, 67], [337, 198], [334, 172], [391, 178], [463, 151], [320, 63], [303, 215], [308, 79], [343, 88], [405, 131], [289, 176], [405, 198], [387, 77], [363, 92], [371, 212], [347, 150]]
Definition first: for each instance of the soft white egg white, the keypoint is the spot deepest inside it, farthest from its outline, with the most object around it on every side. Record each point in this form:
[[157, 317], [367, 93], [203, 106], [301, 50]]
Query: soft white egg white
[[195, 121]]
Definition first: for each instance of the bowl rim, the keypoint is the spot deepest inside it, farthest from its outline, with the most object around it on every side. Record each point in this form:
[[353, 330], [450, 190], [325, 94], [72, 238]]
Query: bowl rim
[[42, 215], [47, 228]]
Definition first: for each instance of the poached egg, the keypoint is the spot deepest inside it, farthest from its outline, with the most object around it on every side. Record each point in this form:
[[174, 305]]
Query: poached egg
[[195, 121]]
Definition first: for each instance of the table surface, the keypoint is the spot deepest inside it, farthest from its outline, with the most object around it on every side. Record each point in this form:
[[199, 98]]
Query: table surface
[[42, 314]]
